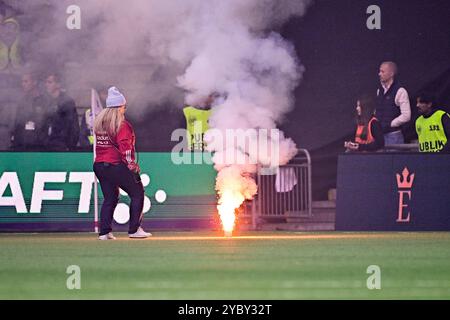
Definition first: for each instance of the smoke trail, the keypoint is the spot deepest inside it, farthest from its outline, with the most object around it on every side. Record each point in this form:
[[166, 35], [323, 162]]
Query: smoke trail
[[257, 71]]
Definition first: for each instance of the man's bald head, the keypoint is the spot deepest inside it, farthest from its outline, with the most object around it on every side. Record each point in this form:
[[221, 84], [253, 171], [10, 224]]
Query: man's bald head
[[29, 82], [388, 70], [391, 65]]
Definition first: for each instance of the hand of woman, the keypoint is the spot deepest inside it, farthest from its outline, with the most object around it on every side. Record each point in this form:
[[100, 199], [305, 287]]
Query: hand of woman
[[134, 167], [351, 145]]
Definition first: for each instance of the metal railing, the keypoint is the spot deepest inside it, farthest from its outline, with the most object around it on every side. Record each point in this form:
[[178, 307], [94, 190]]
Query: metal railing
[[284, 193]]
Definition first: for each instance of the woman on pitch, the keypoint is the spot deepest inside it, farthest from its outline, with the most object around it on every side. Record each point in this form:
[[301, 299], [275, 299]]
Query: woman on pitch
[[115, 166]]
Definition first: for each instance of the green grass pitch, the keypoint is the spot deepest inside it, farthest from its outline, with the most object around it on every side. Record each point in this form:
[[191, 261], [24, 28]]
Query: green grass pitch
[[203, 265]]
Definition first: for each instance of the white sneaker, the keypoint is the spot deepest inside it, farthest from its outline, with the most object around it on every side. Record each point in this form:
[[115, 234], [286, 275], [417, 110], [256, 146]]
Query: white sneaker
[[140, 233], [108, 236]]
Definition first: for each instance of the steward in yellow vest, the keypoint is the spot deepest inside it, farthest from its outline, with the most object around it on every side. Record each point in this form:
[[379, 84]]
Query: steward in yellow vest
[[432, 127], [197, 122], [9, 43], [196, 126]]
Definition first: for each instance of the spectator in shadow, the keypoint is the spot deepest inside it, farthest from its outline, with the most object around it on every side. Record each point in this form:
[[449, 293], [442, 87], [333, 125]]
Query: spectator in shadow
[[64, 129], [31, 124], [369, 135]]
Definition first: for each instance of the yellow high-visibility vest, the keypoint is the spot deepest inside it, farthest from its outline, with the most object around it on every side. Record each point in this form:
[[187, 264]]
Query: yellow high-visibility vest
[[9, 54], [431, 132], [196, 126]]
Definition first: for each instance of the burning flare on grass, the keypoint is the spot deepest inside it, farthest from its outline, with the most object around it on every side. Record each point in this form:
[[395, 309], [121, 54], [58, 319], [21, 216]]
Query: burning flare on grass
[[233, 187], [228, 203]]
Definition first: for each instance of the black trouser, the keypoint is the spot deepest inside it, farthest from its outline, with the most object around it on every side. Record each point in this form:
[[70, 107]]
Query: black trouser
[[112, 177]]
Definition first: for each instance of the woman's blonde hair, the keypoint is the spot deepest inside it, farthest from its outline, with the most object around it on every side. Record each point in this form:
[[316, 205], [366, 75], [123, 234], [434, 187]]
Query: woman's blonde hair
[[108, 121]]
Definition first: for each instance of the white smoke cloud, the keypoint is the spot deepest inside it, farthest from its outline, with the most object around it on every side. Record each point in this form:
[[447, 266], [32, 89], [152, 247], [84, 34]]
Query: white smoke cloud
[[257, 71], [170, 50], [143, 45]]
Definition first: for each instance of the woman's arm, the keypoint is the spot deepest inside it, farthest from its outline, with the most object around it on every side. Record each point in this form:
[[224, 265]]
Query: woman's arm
[[125, 140]]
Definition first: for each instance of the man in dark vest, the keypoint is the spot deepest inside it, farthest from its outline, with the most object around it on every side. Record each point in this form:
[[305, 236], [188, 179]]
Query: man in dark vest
[[393, 109]]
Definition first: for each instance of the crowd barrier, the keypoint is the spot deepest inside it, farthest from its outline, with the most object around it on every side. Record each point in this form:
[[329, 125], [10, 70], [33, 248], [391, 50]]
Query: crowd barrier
[[284, 192]]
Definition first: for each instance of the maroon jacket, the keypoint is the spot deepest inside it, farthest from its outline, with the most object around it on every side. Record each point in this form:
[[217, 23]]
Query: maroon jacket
[[120, 148]]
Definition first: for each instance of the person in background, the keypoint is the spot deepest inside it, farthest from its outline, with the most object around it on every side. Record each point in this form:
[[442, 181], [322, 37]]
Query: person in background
[[393, 109], [10, 64], [31, 125], [10, 57], [115, 166], [369, 135], [432, 126], [197, 122], [64, 128]]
